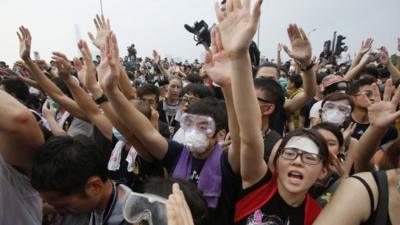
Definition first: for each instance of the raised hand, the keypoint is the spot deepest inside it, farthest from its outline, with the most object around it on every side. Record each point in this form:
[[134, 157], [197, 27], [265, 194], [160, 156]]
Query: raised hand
[[301, 48], [48, 111], [108, 71], [382, 113], [156, 57], [349, 130], [81, 69], [25, 41], [237, 25], [279, 48], [384, 56], [178, 212], [217, 62], [103, 28], [89, 67], [63, 65], [366, 46]]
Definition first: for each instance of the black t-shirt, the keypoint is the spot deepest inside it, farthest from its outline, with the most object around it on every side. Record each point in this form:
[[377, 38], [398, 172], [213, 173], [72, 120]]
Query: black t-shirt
[[390, 135], [231, 184], [275, 212], [142, 168]]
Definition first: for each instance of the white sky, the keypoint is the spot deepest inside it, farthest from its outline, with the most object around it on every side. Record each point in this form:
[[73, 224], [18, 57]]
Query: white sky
[[158, 24]]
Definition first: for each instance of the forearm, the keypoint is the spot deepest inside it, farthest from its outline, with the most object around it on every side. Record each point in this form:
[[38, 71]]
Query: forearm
[[366, 148], [30, 82], [83, 100], [252, 165], [350, 75], [234, 149], [125, 84], [394, 72], [56, 130], [356, 61], [309, 84], [137, 123]]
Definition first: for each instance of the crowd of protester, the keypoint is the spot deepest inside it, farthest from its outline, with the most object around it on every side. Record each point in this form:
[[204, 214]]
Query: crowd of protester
[[130, 140]]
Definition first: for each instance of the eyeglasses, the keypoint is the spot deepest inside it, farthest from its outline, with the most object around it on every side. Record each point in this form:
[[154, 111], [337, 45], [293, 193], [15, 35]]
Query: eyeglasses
[[345, 109], [307, 158], [189, 100]]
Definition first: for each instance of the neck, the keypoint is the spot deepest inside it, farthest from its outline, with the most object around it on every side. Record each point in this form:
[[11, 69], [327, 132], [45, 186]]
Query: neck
[[292, 199], [172, 101], [360, 115], [106, 195], [265, 124]]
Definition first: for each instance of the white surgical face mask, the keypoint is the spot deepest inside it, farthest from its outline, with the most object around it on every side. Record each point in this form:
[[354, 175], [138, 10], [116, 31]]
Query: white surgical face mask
[[333, 116], [196, 141]]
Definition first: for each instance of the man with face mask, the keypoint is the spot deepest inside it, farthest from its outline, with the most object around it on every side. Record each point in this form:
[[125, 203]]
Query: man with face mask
[[336, 108]]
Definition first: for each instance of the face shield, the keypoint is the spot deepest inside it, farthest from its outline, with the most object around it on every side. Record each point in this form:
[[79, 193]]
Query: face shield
[[145, 207]]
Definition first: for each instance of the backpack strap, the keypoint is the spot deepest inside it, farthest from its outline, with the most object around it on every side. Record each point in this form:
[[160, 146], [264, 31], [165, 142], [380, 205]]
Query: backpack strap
[[381, 213]]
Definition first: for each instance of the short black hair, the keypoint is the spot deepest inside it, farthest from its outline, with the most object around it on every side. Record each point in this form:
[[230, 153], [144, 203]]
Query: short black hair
[[194, 78], [356, 86], [269, 64], [17, 88], [272, 91], [297, 80], [214, 108], [198, 90], [335, 130], [149, 89], [368, 70], [194, 198], [64, 164]]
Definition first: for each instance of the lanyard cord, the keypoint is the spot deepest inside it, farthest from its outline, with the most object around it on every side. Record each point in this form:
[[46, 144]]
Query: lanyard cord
[[110, 206]]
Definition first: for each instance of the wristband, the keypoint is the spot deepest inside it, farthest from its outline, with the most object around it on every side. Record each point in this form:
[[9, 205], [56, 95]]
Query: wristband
[[306, 67], [100, 100]]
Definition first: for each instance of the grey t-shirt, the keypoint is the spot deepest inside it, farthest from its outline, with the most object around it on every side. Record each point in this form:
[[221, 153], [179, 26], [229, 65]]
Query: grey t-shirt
[[20, 204]]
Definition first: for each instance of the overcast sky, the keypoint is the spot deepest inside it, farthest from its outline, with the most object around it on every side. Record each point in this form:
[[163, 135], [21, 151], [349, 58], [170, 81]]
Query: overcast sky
[[158, 24]]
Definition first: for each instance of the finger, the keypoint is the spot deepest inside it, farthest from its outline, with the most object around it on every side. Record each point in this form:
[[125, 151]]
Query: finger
[[218, 40], [213, 40], [256, 12], [218, 12], [296, 31], [229, 6], [396, 97], [91, 36], [376, 93], [237, 4], [103, 21], [287, 50], [77, 63], [115, 45], [290, 33], [108, 24], [387, 93], [303, 34], [395, 115], [19, 36], [61, 55], [246, 4], [96, 23]]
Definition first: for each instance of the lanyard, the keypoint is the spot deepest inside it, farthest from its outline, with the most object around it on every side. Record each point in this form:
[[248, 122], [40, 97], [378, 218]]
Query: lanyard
[[110, 206]]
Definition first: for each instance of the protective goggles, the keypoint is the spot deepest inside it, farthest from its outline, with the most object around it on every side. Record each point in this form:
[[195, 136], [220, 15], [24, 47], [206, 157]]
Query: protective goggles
[[145, 207], [345, 109], [204, 124]]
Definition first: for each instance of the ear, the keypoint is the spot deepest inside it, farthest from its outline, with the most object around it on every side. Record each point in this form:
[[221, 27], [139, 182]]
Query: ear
[[268, 110], [323, 173], [221, 135], [94, 186]]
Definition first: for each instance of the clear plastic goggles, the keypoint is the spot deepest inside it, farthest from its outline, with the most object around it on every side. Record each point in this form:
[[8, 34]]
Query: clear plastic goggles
[[145, 207], [203, 124], [345, 109]]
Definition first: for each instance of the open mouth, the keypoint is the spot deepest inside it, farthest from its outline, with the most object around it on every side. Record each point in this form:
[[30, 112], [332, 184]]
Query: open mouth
[[295, 177]]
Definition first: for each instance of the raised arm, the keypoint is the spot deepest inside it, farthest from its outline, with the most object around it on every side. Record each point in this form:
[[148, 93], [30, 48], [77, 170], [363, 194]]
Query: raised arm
[[278, 54], [159, 63], [132, 118], [301, 53], [381, 114], [217, 66], [365, 47], [234, 33], [45, 83], [385, 59], [20, 134]]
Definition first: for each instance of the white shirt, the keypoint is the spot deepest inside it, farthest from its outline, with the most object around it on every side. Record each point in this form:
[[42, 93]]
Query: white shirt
[[314, 111], [20, 204]]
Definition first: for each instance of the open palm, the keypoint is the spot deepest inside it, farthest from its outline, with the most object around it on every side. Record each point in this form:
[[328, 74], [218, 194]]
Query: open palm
[[25, 41], [301, 50]]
